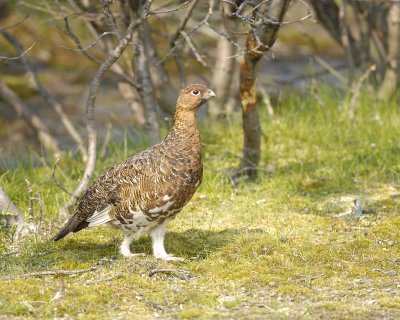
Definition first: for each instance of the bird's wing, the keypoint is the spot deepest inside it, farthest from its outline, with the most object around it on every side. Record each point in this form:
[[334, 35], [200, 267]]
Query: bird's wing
[[106, 191]]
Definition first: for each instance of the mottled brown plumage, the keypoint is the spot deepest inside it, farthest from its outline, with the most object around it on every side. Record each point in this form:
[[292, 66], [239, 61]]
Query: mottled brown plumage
[[142, 193]]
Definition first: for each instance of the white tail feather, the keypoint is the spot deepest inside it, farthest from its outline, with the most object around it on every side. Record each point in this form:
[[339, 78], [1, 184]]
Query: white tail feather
[[99, 218]]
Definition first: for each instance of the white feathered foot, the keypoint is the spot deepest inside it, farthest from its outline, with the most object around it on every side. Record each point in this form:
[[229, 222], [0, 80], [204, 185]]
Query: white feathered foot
[[125, 246], [157, 235]]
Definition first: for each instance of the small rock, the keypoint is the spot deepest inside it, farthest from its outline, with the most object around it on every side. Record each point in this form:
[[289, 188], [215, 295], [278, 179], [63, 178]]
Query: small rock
[[272, 284], [264, 250]]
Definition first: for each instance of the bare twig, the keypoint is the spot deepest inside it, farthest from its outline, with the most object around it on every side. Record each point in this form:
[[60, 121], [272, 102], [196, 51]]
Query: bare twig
[[111, 19], [106, 141], [58, 183], [31, 198], [176, 43], [73, 36], [50, 273], [183, 23], [330, 69], [97, 281], [92, 44], [20, 55], [39, 199], [256, 22], [357, 89], [267, 101], [107, 46], [182, 274], [183, 5], [193, 49], [15, 24]]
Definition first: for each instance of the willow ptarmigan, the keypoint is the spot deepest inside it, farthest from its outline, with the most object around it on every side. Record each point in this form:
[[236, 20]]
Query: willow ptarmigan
[[141, 194]]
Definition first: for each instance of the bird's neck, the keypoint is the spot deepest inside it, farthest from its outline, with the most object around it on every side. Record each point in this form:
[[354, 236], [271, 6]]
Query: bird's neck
[[185, 126]]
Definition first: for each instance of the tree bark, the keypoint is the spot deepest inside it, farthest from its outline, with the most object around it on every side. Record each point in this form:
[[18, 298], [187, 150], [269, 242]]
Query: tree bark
[[6, 205], [391, 80], [259, 41]]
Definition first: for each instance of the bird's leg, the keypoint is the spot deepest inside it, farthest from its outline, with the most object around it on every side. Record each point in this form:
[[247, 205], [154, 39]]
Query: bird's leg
[[125, 246], [157, 235]]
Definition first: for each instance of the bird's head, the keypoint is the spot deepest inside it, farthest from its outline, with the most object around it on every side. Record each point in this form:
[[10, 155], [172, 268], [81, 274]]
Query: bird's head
[[193, 96]]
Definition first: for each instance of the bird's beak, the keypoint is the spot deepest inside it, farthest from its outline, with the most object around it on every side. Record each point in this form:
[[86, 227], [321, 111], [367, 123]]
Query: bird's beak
[[209, 94]]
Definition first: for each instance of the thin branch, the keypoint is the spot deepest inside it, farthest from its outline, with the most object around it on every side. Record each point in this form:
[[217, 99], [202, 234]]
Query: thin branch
[[357, 89], [90, 45], [330, 69], [106, 141], [31, 198], [111, 19], [15, 24], [177, 43], [193, 49], [114, 276], [68, 30], [256, 24], [74, 37], [20, 55], [50, 273], [183, 23], [58, 183], [182, 274], [183, 5]]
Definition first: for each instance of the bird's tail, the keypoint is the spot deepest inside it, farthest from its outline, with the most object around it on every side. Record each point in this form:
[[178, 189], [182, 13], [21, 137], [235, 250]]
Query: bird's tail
[[73, 225]]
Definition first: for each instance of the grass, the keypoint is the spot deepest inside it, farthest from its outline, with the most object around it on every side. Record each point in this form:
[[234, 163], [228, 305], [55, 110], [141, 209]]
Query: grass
[[270, 249]]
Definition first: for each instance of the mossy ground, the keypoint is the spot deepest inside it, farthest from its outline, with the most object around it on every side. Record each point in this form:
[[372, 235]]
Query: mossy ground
[[269, 249]]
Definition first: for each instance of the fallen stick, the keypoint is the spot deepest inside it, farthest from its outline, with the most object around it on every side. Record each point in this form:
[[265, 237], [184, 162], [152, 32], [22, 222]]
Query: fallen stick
[[50, 273]]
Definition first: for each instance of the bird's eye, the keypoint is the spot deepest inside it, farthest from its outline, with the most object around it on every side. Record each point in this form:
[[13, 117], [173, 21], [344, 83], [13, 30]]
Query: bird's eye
[[195, 92]]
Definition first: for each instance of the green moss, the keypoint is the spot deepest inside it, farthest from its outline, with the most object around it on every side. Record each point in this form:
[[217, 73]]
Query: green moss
[[191, 313], [292, 290], [390, 302]]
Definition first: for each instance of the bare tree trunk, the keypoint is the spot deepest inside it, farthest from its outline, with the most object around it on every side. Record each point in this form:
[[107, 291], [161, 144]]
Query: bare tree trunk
[[145, 89], [6, 205], [392, 74], [33, 120], [222, 78], [265, 33]]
